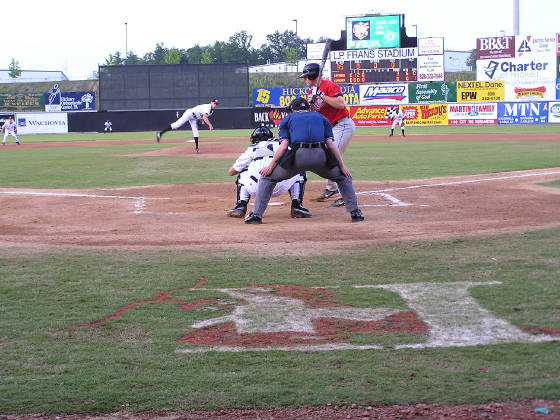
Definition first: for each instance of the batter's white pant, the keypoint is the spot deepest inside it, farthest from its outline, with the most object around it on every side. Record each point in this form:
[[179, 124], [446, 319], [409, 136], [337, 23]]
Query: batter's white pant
[[249, 184], [6, 136], [342, 132], [187, 116]]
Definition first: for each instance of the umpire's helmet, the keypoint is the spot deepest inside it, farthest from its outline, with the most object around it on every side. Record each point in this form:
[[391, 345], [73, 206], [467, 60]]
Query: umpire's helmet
[[311, 71], [261, 134], [298, 104]]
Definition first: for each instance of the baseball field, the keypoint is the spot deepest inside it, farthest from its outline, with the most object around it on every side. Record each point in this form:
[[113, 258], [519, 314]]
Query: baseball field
[[127, 293]]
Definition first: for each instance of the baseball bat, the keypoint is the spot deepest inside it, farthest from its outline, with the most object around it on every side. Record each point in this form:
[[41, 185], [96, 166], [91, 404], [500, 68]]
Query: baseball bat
[[326, 52]]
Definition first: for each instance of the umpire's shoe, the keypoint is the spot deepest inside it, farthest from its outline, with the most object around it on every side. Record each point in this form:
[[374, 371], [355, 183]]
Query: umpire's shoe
[[253, 219], [298, 211], [326, 194], [239, 210], [357, 216]]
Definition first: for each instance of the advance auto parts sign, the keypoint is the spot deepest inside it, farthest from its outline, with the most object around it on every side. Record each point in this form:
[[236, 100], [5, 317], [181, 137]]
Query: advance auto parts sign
[[425, 114], [489, 91]]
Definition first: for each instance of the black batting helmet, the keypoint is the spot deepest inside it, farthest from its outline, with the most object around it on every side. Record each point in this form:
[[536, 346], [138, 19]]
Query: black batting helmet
[[261, 134], [311, 71], [298, 104]]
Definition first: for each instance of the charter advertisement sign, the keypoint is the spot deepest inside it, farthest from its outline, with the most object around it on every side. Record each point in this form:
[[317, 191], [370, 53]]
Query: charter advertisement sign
[[283, 96], [431, 92], [473, 114], [522, 112], [430, 68], [430, 46], [42, 123], [519, 69], [495, 47], [384, 94], [530, 91], [554, 112], [369, 116], [535, 45], [434, 114], [473, 91]]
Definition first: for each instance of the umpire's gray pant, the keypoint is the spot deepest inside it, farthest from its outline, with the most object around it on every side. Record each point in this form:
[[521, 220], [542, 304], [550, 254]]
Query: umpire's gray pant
[[313, 160]]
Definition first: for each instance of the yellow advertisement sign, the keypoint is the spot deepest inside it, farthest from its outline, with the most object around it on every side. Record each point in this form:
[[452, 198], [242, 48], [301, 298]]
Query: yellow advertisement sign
[[488, 91], [433, 114]]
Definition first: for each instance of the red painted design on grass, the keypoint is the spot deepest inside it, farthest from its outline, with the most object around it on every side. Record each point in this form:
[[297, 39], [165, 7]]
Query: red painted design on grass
[[541, 330], [157, 298], [312, 297]]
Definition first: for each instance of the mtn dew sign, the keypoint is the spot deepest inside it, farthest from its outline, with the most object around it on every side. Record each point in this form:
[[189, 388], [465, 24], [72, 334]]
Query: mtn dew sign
[[432, 92]]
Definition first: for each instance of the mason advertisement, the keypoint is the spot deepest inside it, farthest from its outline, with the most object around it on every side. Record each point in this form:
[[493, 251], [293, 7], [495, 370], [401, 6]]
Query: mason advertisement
[[476, 91], [473, 114]]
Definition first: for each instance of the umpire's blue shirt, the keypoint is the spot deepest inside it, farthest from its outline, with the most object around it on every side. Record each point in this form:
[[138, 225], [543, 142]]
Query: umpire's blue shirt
[[305, 127]]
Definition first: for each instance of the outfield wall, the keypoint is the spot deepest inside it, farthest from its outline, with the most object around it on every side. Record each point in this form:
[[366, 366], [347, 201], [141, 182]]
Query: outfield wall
[[455, 114]]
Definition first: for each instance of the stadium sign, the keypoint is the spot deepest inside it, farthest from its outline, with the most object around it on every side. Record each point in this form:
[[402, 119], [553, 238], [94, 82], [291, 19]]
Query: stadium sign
[[521, 69], [383, 94], [522, 112], [554, 112], [473, 114], [495, 47], [42, 123]]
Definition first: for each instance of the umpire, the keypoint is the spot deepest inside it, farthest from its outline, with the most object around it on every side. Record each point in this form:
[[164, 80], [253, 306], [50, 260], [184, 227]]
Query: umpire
[[306, 144]]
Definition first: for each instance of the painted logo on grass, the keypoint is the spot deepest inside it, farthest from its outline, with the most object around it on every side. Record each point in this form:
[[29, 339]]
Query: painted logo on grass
[[298, 318]]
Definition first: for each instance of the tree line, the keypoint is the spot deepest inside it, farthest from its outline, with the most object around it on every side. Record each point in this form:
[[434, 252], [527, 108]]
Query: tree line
[[280, 47]]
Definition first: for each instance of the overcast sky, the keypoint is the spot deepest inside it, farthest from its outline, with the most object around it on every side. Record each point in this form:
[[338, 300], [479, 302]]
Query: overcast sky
[[76, 36]]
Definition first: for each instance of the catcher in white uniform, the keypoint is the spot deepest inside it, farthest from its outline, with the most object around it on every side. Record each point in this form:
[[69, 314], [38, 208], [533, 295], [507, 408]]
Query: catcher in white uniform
[[398, 119], [9, 128], [247, 167], [192, 115]]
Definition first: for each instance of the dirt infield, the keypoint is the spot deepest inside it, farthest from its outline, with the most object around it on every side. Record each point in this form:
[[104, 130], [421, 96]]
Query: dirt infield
[[194, 215]]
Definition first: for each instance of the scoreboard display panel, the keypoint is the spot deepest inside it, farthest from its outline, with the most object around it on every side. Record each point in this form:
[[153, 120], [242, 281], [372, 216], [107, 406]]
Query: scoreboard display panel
[[375, 71]]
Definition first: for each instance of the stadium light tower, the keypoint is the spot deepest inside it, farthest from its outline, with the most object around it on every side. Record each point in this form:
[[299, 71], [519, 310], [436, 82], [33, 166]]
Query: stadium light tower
[[516, 17], [125, 40], [295, 20]]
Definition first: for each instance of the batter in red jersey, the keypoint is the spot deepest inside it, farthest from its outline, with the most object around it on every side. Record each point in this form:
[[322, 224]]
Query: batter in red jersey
[[327, 99]]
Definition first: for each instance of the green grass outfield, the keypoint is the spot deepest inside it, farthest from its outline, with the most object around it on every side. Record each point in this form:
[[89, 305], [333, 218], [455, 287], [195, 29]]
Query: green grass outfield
[[134, 359]]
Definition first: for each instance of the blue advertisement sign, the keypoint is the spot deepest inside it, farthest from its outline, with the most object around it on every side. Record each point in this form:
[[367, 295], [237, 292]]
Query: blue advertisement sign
[[522, 112], [59, 101], [283, 96], [558, 88]]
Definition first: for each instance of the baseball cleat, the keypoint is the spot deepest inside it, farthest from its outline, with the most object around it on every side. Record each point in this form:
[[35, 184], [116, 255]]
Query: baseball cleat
[[239, 210], [253, 219], [158, 136], [339, 202], [357, 216], [326, 194], [299, 212], [197, 151]]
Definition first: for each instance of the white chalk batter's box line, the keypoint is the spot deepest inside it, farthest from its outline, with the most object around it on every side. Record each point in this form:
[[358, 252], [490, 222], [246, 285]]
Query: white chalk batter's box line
[[140, 202]]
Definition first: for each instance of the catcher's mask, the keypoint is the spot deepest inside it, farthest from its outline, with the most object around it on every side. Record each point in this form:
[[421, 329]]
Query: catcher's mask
[[261, 134]]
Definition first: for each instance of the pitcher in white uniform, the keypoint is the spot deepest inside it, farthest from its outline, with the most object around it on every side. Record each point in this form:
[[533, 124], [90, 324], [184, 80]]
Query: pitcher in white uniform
[[9, 128], [193, 115]]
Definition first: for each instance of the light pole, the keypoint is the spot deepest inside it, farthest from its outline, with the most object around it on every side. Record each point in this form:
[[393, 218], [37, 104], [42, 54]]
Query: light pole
[[125, 40], [415, 30], [295, 20]]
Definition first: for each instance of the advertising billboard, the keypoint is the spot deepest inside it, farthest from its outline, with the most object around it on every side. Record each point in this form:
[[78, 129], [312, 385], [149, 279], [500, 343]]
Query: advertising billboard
[[373, 32], [473, 91], [430, 68], [370, 116], [554, 112], [530, 91], [535, 45], [524, 69], [473, 114], [384, 94], [495, 47], [431, 92], [42, 123], [433, 114], [430, 46], [21, 102], [522, 112]]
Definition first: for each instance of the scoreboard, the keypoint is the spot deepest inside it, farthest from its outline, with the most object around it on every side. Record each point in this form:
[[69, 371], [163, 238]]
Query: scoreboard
[[373, 71], [374, 65]]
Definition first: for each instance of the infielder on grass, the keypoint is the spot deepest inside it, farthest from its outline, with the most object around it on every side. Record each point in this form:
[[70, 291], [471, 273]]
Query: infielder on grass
[[247, 167], [192, 115]]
